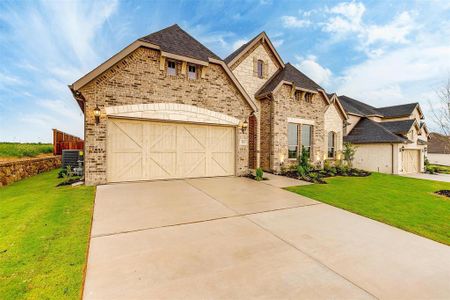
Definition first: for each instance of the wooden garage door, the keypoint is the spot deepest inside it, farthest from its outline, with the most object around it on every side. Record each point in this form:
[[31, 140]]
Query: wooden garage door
[[411, 161], [143, 150]]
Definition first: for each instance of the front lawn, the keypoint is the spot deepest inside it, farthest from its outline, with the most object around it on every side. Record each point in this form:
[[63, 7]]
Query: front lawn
[[44, 233], [403, 202]]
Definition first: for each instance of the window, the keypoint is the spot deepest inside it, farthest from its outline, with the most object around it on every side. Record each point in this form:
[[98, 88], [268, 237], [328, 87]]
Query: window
[[331, 144], [307, 137], [260, 68], [171, 68], [298, 95], [309, 97], [292, 140], [192, 72]]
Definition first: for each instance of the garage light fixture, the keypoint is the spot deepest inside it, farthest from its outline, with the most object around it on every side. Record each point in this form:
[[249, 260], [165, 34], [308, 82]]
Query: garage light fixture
[[97, 114], [244, 126]]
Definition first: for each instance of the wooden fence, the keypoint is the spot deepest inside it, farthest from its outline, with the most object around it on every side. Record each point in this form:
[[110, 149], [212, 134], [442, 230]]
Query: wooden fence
[[64, 141]]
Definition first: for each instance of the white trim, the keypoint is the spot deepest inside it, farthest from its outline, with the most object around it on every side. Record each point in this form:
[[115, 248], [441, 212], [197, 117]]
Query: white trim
[[171, 112], [301, 121]]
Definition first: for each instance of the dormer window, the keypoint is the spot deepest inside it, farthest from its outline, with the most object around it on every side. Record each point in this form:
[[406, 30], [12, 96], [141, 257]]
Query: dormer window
[[192, 72], [171, 68], [260, 68]]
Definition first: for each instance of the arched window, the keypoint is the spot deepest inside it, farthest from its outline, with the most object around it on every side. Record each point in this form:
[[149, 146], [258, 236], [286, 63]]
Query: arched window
[[260, 68], [331, 144]]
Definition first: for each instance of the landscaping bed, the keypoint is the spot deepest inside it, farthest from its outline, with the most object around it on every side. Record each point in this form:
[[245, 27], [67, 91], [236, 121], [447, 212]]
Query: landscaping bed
[[44, 233], [407, 203]]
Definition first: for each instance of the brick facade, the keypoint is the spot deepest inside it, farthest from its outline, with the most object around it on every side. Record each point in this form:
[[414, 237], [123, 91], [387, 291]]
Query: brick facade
[[137, 79], [285, 106]]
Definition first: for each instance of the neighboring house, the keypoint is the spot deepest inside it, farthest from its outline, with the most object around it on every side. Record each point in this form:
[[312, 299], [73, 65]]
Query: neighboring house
[[438, 149], [167, 107], [389, 139]]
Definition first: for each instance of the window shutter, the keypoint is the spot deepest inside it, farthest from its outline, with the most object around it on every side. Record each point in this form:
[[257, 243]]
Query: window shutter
[[266, 69], [255, 67]]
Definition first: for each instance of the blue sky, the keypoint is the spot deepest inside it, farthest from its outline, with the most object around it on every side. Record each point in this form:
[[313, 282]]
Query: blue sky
[[382, 52]]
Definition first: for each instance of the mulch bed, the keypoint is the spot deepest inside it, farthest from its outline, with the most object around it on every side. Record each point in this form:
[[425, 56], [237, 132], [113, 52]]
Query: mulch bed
[[445, 193], [68, 182]]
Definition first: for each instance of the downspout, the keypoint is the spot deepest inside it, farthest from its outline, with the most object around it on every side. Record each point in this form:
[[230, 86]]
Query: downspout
[[392, 146]]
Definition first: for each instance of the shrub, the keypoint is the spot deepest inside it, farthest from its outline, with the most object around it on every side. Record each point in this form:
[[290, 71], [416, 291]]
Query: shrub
[[301, 171], [259, 174]]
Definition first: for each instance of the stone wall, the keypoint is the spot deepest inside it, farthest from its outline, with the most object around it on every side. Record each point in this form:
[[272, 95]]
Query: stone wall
[[137, 79], [16, 170], [334, 122]]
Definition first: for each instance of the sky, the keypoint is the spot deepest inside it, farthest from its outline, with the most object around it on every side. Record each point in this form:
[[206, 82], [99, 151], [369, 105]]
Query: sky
[[381, 52]]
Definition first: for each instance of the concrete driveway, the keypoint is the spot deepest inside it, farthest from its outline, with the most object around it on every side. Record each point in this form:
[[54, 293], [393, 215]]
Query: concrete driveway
[[436, 177], [235, 238]]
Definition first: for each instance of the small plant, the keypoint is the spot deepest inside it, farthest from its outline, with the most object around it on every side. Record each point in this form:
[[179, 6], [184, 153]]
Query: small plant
[[68, 174], [349, 153], [301, 171], [259, 174], [303, 160]]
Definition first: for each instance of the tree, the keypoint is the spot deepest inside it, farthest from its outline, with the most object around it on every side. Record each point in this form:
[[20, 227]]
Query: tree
[[349, 153], [441, 110]]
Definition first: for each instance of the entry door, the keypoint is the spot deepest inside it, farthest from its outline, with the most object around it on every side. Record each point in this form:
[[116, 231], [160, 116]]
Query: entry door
[[143, 150], [411, 161]]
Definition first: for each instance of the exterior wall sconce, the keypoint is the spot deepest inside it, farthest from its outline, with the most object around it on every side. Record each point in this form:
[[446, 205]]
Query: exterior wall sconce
[[97, 114], [244, 126]]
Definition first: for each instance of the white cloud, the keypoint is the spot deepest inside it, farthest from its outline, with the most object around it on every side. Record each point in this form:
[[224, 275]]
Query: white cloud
[[394, 32], [294, 22], [400, 76], [277, 43], [9, 80], [314, 70], [238, 43], [346, 20], [61, 108]]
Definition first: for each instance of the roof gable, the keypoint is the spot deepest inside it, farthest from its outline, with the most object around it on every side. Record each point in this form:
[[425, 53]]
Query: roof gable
[[290, 75], [175, 40], [402, 110], [367, 131], [353, 106], [234, 56], [399, 127]]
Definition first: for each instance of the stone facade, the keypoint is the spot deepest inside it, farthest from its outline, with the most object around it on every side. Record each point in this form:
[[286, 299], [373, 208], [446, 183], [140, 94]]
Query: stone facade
[[287, 106], [16, 170], [137, 79], [243, 69], [334, 122]]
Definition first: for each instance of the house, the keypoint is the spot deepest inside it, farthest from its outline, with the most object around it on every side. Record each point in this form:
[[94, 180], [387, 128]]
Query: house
[[167, 107], [389, 139], [438, 150]]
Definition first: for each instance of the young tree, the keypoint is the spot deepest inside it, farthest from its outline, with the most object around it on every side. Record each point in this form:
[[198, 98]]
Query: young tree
[[349, 152]]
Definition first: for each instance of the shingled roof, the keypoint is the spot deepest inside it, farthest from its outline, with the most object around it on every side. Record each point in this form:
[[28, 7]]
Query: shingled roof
[[367, 131], [438, 143], [175, 40], [357, 107], [291, 74], [398, 127], [397, 110]]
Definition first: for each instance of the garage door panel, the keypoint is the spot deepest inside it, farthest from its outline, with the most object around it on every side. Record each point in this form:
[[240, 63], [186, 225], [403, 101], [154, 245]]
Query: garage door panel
[[411, 161], [161, 165], [126, 166], [144, 150], [126, 136]]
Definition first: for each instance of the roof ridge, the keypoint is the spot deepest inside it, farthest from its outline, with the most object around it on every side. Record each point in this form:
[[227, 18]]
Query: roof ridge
[[410, 103]]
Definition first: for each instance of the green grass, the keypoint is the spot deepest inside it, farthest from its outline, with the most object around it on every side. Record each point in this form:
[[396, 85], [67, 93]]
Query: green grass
[[441, 169], [403, 202], [24, 149], [44, 233]]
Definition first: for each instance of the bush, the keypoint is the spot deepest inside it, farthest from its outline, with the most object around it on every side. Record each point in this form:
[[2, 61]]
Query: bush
[[259, 174]]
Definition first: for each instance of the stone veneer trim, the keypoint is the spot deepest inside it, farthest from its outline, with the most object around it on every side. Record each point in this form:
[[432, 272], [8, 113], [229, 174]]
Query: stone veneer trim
[[171, 112]]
